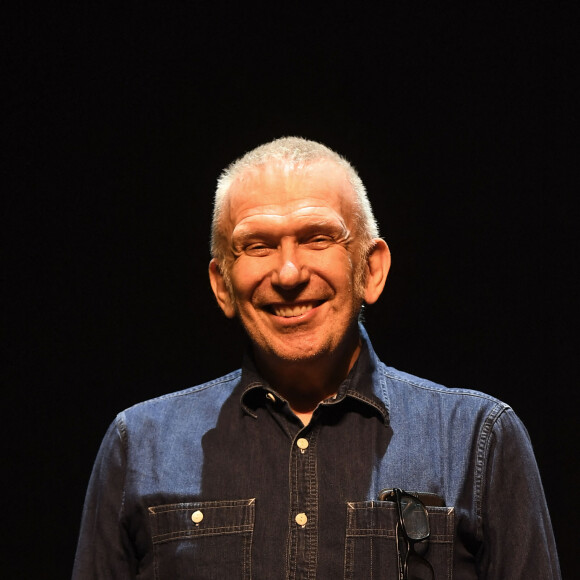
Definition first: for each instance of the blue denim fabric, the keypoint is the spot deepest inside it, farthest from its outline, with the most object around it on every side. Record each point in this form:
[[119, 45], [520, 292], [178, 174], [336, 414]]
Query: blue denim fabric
[[212, 483]]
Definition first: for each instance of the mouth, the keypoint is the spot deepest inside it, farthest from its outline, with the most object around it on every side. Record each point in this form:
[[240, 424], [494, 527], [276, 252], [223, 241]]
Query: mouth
[[294, 310]]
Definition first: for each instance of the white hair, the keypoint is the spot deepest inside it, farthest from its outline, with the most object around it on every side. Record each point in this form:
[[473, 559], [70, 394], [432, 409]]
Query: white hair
[[298, 152]]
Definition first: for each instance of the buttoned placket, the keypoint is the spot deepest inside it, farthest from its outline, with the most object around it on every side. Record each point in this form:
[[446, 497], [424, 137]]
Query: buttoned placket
[[303, 526], [302, 541], [303, 485]]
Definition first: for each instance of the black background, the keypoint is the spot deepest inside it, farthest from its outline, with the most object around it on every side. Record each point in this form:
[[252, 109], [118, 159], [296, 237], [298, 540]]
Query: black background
[[458, 117]]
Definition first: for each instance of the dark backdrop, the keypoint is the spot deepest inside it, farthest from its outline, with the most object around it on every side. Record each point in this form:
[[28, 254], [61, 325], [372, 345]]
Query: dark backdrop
[[119, 120]]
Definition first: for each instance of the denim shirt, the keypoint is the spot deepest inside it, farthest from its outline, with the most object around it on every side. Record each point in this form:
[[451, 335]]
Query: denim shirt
[[223, 481]]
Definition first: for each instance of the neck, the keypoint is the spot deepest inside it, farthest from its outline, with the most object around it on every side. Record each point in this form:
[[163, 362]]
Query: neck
[[304, 384]]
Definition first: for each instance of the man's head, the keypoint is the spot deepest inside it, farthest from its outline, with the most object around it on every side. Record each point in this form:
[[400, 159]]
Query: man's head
[[296, 153], [295, 249]]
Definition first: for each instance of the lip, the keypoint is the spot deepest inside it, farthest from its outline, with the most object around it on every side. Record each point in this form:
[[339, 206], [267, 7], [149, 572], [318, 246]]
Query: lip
[[295, 311]]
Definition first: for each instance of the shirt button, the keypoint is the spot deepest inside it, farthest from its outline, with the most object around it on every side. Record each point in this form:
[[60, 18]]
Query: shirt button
[[196, 517], [301, 519], [271, 397], [302, 443]]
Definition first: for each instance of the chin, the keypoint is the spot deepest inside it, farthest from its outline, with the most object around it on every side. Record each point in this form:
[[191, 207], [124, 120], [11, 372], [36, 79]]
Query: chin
[[297, 355], [299, 349]]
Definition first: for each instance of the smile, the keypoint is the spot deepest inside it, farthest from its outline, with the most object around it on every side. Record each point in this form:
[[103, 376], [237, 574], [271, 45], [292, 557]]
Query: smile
[[293, 311]]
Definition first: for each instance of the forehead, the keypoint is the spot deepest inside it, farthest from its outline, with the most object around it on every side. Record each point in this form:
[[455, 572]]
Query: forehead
[[281, 188]]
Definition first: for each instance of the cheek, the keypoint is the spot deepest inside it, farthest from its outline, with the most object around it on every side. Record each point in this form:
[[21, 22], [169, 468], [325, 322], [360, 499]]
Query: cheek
[[339, 269], [247, 275]]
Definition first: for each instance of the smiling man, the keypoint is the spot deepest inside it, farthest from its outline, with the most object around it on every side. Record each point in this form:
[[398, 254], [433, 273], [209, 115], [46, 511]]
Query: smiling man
[[315, 460]]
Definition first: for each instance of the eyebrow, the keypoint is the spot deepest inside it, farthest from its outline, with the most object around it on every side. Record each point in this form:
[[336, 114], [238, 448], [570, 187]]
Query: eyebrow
[[246, 232]]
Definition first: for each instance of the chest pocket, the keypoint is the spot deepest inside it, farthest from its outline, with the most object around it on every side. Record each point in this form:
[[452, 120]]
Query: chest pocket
[[209, 540], [371, 550]]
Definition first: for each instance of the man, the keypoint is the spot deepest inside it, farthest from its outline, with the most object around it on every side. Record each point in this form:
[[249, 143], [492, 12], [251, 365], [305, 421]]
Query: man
[[278, 470]]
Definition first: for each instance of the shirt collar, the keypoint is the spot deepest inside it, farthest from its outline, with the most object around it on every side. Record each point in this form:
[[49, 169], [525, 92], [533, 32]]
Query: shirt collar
[[362, 384]]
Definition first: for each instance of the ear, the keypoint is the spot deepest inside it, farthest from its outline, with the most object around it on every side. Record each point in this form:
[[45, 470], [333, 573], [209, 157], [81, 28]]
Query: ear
[[378, 264], [218, 285]]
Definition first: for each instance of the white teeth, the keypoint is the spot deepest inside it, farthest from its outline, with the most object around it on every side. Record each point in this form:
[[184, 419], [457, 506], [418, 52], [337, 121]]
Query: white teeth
[[290, 311]]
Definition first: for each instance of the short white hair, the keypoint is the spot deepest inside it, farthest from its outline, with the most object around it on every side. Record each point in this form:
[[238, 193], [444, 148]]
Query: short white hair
[[298, 152]]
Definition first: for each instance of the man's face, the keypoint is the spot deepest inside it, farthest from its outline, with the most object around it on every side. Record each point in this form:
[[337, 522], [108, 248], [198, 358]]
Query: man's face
[[293, 266]]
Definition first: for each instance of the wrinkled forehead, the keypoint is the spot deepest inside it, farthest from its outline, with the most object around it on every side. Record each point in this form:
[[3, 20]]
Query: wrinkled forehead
[[286, 186]]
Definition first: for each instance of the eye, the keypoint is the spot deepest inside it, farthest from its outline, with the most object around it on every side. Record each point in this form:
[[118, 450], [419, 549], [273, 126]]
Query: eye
[[257, 249], [319, 241]]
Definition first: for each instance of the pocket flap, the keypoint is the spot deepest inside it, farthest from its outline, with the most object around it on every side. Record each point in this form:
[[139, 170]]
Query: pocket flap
[[379, 518], [201, 518]]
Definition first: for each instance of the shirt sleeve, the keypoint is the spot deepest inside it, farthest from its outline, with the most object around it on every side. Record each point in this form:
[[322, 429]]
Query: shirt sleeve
[[104, 549], [518, 542]]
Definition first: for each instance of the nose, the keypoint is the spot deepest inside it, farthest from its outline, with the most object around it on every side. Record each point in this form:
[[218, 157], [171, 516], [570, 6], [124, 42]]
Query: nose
[[290, 271]]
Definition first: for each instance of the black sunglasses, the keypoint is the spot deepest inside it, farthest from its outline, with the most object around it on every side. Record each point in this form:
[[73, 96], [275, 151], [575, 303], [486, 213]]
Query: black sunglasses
[[413, 528]]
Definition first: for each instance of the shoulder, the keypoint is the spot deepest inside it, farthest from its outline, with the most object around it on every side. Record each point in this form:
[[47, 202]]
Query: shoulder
[[209, 388], [400, 379], [198, 403], [406, 390], [463, 418]]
